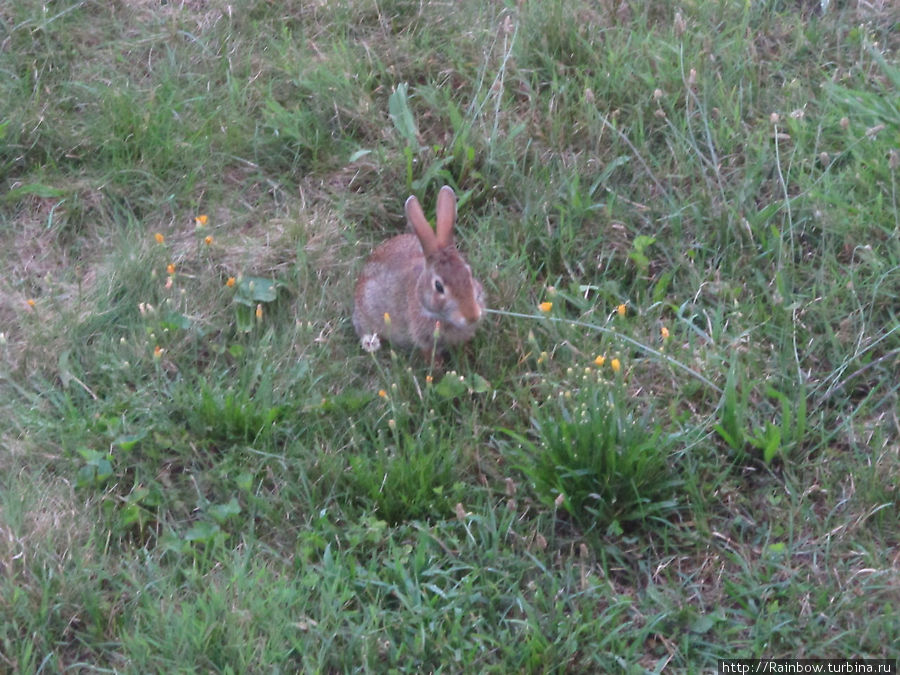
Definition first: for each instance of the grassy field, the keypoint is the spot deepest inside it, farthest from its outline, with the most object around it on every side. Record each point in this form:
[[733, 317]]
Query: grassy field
[[675, 439]]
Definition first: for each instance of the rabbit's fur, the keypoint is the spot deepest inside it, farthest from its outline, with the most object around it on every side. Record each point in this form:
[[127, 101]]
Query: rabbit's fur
[[416, 290]]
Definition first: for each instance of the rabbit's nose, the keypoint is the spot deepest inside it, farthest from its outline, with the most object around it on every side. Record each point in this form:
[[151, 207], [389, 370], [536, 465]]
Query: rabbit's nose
[[470, 314]]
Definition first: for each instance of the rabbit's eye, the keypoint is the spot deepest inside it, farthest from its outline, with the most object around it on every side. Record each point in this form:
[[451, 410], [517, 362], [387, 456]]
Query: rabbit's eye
[[438, 286]]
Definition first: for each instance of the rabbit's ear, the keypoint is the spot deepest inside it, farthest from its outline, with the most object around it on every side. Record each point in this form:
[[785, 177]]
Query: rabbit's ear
[[421, 226], [446, 216]]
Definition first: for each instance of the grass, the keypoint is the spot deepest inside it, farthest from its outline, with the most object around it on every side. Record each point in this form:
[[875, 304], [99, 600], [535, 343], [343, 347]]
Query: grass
[[201, 469]]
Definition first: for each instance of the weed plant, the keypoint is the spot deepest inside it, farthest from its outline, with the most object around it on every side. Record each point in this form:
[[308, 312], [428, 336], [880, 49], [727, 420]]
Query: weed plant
[[673, 440], [593, 459]]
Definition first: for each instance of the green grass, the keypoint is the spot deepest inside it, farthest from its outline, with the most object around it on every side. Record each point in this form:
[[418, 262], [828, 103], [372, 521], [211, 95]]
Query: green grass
[[198, 474]]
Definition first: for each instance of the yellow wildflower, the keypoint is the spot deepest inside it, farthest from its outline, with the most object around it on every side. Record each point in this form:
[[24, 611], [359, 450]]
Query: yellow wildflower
[[429, 379], [387, 319], [159, 238], [200, 221], [170, 268], [259, 311], [157, 352], [599, 361], [231, 282], [545, 307], [616, 365], [208, 239], [30, 302], [621, 309], [382, 393], [664, 332]]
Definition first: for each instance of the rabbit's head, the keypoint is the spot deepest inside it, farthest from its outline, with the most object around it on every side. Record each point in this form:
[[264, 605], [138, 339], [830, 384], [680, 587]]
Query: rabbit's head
[[446, 289]]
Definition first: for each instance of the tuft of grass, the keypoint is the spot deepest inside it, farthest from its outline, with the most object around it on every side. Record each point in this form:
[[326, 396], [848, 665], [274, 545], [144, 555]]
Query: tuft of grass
[[595, 461]]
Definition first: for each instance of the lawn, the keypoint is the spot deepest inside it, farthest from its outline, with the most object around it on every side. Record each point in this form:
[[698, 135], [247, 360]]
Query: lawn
[[674, 439]]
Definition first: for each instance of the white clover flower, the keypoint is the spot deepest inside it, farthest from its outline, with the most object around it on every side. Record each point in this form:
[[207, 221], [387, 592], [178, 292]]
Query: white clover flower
[[370, 343]]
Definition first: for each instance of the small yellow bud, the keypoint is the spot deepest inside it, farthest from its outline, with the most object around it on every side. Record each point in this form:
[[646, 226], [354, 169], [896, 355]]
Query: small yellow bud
[[231, 282], [616, 365], [159, 238], [200, 221], [621, 309], [545, 307], [664, 332]]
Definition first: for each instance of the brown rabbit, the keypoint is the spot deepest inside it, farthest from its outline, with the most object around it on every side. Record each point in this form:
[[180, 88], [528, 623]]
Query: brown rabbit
[[415, 290]]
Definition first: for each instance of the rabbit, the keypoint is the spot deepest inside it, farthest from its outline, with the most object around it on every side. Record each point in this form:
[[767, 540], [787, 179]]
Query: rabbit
[[416, 290]]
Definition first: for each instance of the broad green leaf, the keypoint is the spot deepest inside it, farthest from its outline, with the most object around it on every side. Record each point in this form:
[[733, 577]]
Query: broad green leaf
[[203, 531], [244, 481], [244, 318], [222, 512], [776, 549], [175, 321], [479, 385], [451, 386], [253, 290], [128, 441], [94, 473], [401, 115], [702, 624]]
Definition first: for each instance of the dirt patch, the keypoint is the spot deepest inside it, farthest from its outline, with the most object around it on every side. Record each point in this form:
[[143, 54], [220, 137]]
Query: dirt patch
[[42, 274]]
